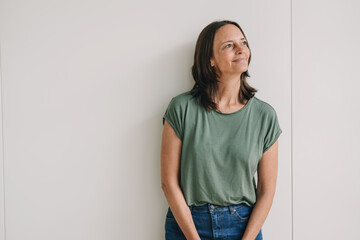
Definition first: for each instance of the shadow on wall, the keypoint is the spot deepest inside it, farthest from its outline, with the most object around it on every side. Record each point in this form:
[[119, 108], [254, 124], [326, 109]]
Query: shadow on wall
[[157, 79], [169, 72]]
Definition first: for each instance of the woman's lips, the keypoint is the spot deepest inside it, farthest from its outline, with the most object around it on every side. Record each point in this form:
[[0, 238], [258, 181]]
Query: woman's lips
[[239, 60]]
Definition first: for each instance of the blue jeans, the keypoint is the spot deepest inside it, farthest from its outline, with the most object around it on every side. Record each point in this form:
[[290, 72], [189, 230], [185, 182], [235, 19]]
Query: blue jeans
[[213, 222]]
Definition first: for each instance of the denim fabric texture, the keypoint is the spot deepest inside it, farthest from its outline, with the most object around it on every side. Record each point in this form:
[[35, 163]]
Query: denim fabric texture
[[213, 222]]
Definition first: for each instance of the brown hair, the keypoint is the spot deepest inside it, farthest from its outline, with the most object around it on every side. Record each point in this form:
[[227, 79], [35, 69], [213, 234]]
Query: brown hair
[[205, 76]]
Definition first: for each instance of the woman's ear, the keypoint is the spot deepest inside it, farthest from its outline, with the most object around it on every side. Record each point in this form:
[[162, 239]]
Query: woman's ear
[[212, 64]]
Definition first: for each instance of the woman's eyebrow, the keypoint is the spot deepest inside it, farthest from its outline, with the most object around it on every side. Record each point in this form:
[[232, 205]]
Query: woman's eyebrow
[[232, 40]]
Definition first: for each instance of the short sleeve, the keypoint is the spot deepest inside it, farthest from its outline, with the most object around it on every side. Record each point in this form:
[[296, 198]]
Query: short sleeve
[[173, 116], [272, 130]]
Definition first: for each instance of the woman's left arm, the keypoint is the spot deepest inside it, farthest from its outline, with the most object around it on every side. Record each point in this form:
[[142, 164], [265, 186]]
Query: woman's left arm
[[267, 175]]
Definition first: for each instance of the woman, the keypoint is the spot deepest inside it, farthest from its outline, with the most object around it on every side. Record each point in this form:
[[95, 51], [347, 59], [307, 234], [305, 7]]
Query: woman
[[215, 137]]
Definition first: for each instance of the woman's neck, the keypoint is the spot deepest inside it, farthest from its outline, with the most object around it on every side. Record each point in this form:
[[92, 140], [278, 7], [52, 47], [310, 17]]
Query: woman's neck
[[228, 91]]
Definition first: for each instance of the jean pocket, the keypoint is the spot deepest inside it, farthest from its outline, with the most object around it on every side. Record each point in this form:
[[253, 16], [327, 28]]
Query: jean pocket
[[243, 212], [169, 215]]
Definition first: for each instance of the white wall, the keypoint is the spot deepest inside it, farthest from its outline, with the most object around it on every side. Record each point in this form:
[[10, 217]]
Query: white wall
[[85, 85], [326, 119]]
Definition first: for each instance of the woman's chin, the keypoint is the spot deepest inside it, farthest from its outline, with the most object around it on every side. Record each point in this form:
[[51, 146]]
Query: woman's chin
[[241, 70]]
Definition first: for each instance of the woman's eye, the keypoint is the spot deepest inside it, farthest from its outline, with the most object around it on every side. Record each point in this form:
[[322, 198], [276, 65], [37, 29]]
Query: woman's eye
[[229, 45], [245, 43]]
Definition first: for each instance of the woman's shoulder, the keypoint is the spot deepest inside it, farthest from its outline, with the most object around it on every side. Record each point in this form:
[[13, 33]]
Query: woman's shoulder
[[183, 95], [263, 107], [183, 98]]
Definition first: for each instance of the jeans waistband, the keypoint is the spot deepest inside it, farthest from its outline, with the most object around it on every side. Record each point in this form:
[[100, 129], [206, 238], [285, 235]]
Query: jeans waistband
[[214, 207]]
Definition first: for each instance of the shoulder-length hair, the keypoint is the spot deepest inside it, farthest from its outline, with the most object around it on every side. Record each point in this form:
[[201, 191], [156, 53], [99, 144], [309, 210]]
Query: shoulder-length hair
[[205, 76]]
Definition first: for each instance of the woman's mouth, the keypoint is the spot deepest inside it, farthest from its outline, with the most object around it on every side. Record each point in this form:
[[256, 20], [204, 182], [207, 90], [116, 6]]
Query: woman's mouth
[[240, 60]]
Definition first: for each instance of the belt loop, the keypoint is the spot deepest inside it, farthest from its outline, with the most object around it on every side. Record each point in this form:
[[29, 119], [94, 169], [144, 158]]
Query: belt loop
[[231, 209], [210, 207]]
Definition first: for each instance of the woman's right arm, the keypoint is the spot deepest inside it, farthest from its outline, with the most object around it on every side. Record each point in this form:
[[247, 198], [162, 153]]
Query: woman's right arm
[[170, 168]]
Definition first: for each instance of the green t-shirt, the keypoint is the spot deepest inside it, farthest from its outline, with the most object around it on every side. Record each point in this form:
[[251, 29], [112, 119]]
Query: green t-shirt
[[221, 151]]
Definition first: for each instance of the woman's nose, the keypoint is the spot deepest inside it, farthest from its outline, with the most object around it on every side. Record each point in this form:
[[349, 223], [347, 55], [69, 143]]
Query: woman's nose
[[239, 51], [239, 48]]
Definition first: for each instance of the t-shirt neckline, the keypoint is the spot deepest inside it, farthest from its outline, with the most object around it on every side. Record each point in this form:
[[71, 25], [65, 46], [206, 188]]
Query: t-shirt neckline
[[240, 110]]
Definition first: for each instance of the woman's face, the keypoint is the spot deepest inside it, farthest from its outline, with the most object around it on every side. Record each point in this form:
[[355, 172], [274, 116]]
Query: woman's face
[[230, 51]]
